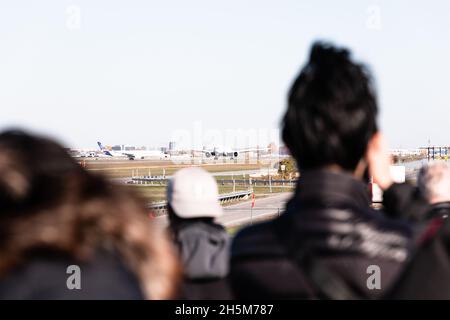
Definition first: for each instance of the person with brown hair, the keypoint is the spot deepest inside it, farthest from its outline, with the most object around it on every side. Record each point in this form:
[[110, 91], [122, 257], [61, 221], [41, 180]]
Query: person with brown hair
[[56, 217]]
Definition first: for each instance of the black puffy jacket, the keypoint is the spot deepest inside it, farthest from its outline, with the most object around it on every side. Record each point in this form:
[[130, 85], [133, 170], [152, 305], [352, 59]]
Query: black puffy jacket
[[324, 246]]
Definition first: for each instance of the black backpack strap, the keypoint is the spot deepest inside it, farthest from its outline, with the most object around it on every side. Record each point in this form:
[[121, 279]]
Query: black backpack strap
[[428, 232], [425, 233]]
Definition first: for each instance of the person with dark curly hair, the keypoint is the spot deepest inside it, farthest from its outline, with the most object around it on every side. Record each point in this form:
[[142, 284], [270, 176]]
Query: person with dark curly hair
[[329, 243]]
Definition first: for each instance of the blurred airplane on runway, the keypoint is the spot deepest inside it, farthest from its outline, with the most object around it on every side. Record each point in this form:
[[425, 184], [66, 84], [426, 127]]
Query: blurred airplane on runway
[[217, 152], [134, 154]]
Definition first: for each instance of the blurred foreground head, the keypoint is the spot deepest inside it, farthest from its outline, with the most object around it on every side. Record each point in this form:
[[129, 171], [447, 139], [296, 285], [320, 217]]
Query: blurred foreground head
[[434, 182], [332, 108], [48, 202]]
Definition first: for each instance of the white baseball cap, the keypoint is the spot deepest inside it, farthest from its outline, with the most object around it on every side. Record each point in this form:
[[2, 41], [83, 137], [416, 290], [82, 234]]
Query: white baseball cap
[[193, 193]]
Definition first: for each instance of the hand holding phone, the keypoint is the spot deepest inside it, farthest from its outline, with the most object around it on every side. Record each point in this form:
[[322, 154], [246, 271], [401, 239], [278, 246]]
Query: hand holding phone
[[379, 161]]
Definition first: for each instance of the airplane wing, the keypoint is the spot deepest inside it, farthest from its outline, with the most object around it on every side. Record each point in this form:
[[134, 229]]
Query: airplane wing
[[252, 150], [203, 151], [129, 155]]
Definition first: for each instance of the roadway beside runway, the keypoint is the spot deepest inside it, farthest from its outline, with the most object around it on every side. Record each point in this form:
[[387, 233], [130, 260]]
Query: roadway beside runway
[[242, 213]]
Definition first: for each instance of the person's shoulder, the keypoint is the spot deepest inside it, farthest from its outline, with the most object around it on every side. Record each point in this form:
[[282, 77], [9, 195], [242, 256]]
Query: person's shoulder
[[202, 229], [257, 239], [51, 275]]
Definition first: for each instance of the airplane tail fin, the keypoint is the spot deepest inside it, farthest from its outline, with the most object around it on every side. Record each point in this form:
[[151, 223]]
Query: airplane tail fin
[[100, 146], [103, 149]]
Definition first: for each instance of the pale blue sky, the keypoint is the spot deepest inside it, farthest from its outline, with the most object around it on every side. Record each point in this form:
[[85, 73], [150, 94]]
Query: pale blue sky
[[136, 71]]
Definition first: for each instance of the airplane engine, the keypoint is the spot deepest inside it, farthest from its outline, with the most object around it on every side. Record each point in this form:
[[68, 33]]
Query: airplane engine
[[236, 154], [213, 153], [207, 154]]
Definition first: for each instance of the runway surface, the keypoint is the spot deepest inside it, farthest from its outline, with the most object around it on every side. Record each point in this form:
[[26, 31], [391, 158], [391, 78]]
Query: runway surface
[[242, 213]]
